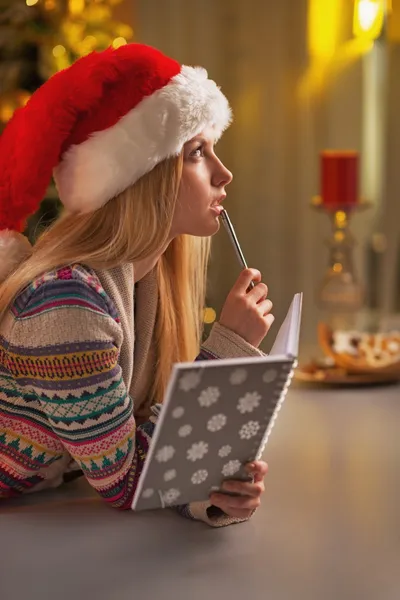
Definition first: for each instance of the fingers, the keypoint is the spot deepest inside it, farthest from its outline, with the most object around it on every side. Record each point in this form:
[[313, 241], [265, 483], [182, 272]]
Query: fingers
[[259, 292], [258, 469], [245, 488], [264, 307], [245, 278], [269, 319], [247, 313], [249, 500], [235, 506]]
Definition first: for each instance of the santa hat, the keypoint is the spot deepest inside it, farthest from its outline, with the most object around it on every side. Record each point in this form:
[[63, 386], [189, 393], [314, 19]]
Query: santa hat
[[98, 127]]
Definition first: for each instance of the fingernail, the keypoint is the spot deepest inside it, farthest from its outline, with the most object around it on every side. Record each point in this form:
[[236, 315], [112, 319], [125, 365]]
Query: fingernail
[[251, 466]]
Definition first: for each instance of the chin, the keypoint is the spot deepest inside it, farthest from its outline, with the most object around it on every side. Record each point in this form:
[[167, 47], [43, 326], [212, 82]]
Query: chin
[[207, 229]]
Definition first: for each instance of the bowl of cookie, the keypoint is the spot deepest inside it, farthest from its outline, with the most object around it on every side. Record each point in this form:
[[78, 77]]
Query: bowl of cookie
[[352, 357]]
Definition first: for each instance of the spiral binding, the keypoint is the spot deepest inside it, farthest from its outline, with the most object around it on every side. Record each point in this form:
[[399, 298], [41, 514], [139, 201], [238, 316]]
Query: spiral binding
[[161, 496], [278, 406]]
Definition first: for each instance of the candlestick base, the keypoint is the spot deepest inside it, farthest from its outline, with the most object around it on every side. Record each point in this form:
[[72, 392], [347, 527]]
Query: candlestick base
[[318, 203], [340, 291]]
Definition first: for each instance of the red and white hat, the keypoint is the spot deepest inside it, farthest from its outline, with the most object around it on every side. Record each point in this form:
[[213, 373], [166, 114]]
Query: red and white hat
[[98, 127]]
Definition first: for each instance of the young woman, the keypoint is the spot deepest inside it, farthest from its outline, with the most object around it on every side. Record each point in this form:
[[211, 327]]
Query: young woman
[[111, 295]]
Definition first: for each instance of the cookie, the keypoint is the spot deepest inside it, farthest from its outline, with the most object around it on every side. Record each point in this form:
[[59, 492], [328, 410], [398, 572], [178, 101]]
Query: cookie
[[361, 352]]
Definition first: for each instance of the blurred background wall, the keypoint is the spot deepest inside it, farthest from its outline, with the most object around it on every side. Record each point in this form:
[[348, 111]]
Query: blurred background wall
[[298, 83]]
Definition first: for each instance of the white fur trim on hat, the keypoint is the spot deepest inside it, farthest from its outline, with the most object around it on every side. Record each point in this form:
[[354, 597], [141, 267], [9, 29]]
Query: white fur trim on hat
[[107, 163]]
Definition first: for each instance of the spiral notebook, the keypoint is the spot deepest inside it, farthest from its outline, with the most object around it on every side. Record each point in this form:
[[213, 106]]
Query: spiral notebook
[[216, 417]]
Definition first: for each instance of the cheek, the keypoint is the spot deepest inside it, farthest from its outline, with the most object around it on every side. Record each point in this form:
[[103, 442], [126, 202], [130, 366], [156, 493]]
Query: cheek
[[192, 211], [195, 183], [191, 201], [184, 207]]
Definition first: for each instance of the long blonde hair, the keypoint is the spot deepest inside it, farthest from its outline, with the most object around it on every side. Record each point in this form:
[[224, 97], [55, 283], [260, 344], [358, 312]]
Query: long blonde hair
[[130, 227]]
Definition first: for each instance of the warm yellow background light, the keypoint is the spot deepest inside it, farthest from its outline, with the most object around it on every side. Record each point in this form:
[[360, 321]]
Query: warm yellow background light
[[323, 27], [118, 42], [329, 47], [209, 315], [369, 16], [76, 7]]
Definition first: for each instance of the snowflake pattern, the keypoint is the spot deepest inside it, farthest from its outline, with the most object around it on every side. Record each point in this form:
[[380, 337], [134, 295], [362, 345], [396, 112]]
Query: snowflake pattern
[[197, 451], [165, 453], [209, 396], [199, 476], [148, 493], [169, 475], [185, 430], [171, 495], [248, 402], [249, 430], [224, 451], [178, 412], [269, 376], [238, 376], [216, 423], [189, 381], [230, 468]]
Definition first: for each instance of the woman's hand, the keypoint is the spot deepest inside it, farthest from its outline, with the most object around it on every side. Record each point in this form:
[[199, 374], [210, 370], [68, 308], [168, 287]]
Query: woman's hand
[[244, 505], [247, 312]]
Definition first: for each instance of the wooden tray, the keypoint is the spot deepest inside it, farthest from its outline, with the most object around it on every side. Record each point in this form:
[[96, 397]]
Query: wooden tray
[[315, 373]]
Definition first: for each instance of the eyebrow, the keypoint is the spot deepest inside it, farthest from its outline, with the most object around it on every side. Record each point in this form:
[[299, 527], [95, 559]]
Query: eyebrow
[[202, 139]]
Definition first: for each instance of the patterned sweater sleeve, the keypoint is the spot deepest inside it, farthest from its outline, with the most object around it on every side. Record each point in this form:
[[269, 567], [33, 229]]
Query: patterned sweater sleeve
[[63, 352]]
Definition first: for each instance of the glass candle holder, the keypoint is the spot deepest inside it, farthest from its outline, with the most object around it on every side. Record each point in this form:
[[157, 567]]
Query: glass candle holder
[[340, 291]]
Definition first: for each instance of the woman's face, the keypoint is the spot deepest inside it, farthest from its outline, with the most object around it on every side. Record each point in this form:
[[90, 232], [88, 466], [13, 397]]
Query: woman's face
[[202, 188]]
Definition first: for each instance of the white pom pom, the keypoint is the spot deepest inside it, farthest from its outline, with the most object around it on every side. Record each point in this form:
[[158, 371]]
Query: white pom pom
[[14, 248]]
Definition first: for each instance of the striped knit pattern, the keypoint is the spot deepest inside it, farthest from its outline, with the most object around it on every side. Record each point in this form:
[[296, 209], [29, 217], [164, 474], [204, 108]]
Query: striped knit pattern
[[68, 399], [65, 402]]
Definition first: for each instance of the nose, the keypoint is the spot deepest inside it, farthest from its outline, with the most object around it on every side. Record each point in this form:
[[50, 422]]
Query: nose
[[222, 175]]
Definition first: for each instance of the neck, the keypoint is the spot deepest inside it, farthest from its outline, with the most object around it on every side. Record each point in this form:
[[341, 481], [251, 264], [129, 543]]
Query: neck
[[142, 267]]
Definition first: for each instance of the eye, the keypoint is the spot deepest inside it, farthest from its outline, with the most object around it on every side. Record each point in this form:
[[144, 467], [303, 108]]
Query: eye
[[198, 152]]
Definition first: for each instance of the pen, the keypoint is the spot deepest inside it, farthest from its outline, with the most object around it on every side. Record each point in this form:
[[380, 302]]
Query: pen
[[232, 235]]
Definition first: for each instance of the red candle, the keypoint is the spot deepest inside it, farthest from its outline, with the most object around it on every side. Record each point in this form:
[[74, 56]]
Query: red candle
[[339, 178]]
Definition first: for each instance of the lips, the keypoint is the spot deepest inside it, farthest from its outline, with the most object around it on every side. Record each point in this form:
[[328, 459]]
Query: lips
[[219, 202], [217, 208]]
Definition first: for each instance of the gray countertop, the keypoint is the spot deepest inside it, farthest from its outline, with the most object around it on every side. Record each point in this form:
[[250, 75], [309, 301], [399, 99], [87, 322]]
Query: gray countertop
[[328, 529]]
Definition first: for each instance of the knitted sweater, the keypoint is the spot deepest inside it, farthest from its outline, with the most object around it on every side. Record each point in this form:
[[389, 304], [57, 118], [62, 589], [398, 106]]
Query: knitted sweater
[[75, 375]]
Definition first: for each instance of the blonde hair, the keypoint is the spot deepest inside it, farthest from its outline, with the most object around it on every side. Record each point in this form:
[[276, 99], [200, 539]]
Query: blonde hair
[[130, 227]]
